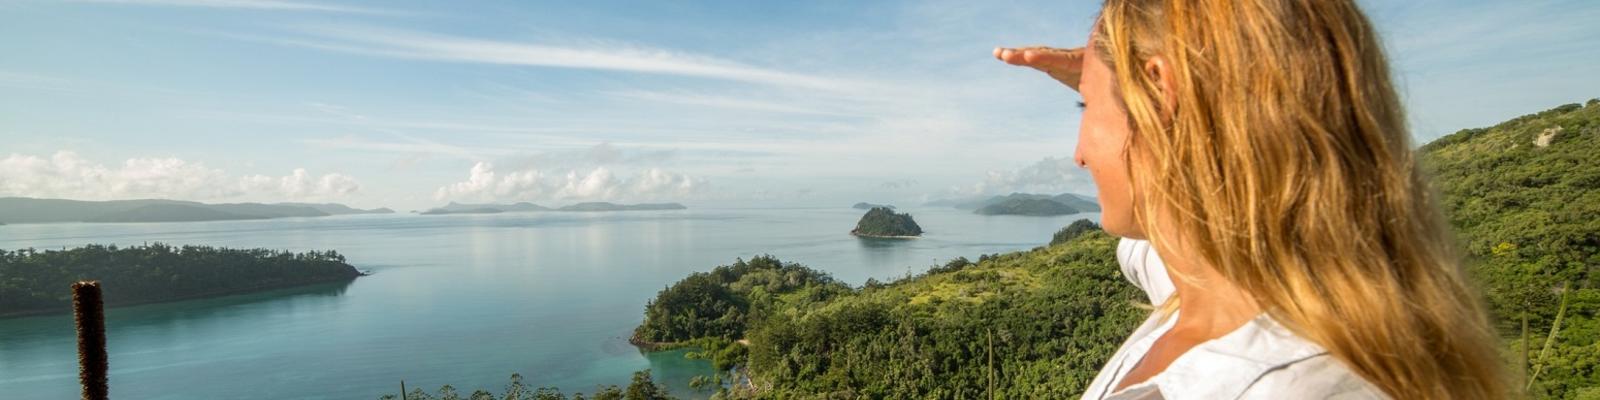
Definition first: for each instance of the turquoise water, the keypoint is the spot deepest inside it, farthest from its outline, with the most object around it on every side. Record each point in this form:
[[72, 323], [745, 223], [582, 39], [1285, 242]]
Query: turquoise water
[[465, 300]]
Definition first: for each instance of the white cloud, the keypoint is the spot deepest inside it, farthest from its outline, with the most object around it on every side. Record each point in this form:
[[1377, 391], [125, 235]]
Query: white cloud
[[68, 175], [484, 183], [397, 43], [1050, 175]]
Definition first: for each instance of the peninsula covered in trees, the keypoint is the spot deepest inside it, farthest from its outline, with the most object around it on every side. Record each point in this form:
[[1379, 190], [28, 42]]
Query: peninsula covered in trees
[[36, 282], [32, 210], [885, 223]]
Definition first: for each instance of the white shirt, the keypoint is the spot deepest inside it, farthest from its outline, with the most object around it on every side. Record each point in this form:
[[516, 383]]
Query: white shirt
[[1259, 360]]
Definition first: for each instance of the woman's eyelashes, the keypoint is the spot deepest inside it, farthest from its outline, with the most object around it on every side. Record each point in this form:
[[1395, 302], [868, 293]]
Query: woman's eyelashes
[[1082, 106]]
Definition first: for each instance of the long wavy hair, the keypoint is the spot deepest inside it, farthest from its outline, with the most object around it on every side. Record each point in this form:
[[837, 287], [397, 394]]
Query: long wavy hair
[[1281, 157]]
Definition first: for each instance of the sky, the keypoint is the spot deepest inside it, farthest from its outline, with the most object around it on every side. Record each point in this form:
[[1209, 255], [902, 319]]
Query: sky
[[413, 104]]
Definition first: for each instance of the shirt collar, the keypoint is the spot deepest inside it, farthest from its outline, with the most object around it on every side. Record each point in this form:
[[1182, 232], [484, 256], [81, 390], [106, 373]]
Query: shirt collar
[[1224, 367]]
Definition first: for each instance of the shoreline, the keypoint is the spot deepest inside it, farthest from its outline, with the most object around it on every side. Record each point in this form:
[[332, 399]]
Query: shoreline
[[863, 235], [194, 296]]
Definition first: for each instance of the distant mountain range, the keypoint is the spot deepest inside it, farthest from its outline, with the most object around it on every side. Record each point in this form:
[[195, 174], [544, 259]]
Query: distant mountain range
[[460, 208], [1023, 204], [16, 210], [868, 206]]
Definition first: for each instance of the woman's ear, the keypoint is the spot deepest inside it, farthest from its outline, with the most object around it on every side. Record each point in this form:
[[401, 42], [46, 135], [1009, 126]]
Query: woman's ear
[[1159, 71]]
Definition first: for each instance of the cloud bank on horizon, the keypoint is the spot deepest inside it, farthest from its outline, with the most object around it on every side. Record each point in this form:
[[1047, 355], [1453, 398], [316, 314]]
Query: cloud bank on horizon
[[411, 103]]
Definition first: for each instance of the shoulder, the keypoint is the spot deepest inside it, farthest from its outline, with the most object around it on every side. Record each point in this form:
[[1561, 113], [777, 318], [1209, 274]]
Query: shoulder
[[1262, 360], [1318, 377]]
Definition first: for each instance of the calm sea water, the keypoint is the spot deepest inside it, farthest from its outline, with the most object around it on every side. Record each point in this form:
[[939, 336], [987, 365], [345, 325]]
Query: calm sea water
[[460, 299]]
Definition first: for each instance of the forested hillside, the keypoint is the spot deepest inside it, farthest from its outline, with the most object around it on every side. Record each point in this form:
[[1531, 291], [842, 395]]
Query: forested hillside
[[1524, 199]]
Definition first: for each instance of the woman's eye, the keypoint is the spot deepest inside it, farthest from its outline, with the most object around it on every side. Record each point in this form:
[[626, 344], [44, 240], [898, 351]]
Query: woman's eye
[[1081, 105]]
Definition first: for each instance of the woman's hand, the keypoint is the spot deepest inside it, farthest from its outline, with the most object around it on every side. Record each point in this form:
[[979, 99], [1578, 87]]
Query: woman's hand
[[1065, 65]]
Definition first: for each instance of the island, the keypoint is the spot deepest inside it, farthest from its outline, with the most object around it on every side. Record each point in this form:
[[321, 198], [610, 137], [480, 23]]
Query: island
[[603, 206], [34, 210], [482, 210], [36, 281], [461, 208], [1028, 207], [868, 206], [882, 222], [1029, 204], [464, 208]]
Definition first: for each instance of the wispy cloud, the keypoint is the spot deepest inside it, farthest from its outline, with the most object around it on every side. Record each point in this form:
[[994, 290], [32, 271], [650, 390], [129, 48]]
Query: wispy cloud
[[598, 55], [265, 5], [726, 102]]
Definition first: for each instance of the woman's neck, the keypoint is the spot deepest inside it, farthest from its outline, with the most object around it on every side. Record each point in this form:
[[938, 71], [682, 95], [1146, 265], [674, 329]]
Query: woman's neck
[[1210, 304]]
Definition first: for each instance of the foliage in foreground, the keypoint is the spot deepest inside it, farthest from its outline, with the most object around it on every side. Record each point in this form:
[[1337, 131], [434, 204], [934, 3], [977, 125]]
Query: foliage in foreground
[[1047, 317], [1524, 199], [641, 388]]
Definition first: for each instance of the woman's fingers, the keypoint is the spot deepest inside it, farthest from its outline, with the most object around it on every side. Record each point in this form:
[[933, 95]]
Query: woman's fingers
[[1064, 65]]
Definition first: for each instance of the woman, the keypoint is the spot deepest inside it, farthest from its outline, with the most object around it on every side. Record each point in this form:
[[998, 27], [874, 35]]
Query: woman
[[1260, 149]]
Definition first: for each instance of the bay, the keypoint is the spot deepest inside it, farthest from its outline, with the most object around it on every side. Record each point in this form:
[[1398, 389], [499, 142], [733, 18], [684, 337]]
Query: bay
[[464, 300]]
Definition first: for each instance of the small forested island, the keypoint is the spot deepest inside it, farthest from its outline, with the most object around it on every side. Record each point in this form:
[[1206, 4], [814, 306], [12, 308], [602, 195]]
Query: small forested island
[[882, 222], [32, 210], [868, 206], [36, 282]]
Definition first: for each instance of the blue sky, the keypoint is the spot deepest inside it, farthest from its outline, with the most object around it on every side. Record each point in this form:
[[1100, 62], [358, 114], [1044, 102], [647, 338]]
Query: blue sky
[[412, 104]]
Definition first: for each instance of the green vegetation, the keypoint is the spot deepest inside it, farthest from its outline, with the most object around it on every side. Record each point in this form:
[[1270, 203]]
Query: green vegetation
[[1031, 207], [722, 303], [1524, 199], [884, 222], [1073, 231], [1048, 317], [642, 388], [35, 282]]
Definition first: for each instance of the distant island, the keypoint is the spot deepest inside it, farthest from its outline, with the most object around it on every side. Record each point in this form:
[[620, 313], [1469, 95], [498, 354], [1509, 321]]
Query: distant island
[[463, 208], [602, 206], [36, 282], [31, 210], [459, 208], [1029, 207], [882, 222], [868, 206], [1023, 204]]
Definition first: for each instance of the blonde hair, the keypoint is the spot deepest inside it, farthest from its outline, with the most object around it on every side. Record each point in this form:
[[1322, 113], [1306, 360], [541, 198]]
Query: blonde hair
[[1281, 158]]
